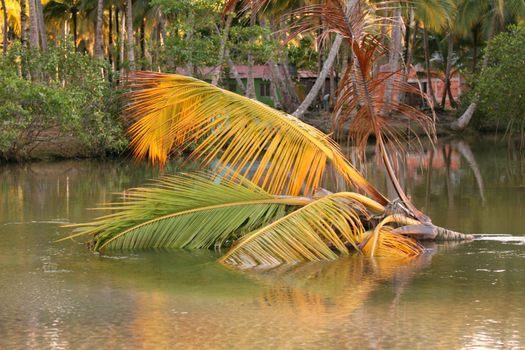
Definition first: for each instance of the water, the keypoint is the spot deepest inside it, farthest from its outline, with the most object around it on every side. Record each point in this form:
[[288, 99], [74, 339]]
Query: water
[[61, 296]]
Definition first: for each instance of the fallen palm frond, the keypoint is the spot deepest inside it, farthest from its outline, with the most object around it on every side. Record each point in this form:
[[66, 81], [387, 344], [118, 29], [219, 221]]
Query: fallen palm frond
[[316, 232], [200, 210], [271, 148], [186, 211]]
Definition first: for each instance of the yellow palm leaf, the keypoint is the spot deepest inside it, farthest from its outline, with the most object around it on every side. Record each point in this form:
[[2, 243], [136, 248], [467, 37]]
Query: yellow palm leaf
[[271, 148]]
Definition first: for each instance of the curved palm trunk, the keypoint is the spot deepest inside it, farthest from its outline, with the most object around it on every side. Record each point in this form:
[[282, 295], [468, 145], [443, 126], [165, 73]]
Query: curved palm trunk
[[462, 122], [321, 78], [6, 28], [129, 32], [99, 53]]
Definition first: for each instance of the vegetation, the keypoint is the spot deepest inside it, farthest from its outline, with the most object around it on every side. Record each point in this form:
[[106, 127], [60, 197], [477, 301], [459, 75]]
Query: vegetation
[[501, 85], [56, 99]]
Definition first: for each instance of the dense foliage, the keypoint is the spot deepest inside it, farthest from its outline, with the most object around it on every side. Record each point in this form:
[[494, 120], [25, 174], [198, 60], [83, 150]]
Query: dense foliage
[[501, 85], [56, 102]]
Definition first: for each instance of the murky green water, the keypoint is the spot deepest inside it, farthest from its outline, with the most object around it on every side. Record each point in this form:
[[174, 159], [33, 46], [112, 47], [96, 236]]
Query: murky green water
[[60, 296]]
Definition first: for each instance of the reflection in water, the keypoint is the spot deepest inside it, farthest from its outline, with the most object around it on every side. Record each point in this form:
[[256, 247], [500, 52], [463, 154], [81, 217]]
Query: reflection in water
[[456, 296]]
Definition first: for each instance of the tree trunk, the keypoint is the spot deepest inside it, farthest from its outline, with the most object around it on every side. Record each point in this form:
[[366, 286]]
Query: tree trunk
[[321, 78], [99, 52], [41, 24], [118, 34], [122, 39], [6, 28], [110, 37], [33, 25], [129, 32], [462, 122], [394, 56], [23, 23], [448, 69], [222, 49], [235, 73], [189, 39], [143, 43], [74, 19], [430, 89], [475, 49], [250, 81]]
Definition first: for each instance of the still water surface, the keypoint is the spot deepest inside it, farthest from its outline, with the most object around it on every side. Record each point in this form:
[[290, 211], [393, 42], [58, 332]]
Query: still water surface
[[61, 296]]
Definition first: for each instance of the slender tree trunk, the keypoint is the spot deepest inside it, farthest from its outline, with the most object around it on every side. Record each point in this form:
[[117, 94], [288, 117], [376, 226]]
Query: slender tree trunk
[[430, 88], [235, 73], [462, 122], [122, 39], [410, 44], [189, 38], [394, 55], [475, 49], [41, 24], [110, 36], [448, 69], [6, 28], [222, 49], [74, 19], [250, 81], [129, 32], [33, 25], [23, 23], [99, 52], [143, 43], [321, 78], [117, 32]]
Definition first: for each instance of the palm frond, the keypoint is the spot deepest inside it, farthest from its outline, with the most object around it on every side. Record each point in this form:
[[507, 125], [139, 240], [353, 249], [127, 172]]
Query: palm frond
[[271, 148], [317, 231], [186, 211]]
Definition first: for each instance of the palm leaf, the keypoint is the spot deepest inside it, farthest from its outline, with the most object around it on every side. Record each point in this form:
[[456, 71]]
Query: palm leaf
[[317, 231], [186, 211], [273, 149]]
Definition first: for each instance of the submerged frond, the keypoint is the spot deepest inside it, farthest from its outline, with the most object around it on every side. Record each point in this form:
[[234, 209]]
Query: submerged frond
[[273, 149], [317, 231]]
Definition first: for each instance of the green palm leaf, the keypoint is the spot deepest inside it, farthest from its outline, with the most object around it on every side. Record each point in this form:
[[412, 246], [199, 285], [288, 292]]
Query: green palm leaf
[[186, 211], [317, 231]]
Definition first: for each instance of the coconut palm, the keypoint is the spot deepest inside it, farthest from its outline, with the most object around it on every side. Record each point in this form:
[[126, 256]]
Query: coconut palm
[[260, 199]]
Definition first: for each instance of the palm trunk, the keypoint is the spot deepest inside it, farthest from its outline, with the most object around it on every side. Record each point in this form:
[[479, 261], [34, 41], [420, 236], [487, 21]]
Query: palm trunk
[[235, 73], [321, 78], [122, 39], [189, 38], [41, 24], [33, 25], [99, 53], [110, 36], [129, 32], [430, 89], [222, 48], [462, 122], [250, 81], [448, 69], [143, 43], [117, 32], [23, 23], [394, 57], [6, 28], [74, 19]]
